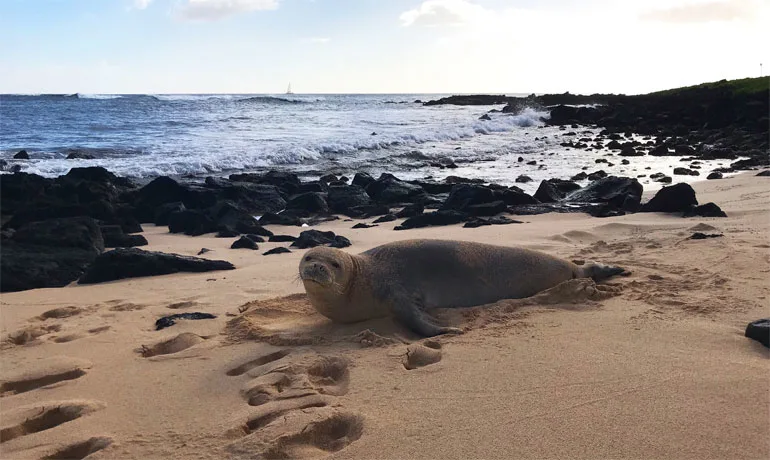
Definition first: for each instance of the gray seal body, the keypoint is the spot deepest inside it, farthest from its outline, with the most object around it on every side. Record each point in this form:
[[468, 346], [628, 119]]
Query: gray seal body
[[405, 278]]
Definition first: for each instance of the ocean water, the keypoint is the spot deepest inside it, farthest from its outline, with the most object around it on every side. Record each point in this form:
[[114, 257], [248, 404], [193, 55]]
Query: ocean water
[[144, 136]]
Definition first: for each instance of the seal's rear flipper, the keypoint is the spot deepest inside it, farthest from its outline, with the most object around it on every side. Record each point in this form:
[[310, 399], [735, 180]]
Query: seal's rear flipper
[[600, 272], [408, 310]]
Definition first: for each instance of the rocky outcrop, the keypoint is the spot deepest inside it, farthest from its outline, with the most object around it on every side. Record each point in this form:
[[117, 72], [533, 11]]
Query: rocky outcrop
[[50, 253]]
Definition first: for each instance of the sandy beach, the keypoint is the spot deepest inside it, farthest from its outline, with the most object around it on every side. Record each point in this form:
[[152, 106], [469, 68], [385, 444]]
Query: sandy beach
[[652, 365]]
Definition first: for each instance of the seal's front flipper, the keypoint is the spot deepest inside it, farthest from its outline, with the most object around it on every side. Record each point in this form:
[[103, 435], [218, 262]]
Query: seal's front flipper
[[408, 310], [600, 272]]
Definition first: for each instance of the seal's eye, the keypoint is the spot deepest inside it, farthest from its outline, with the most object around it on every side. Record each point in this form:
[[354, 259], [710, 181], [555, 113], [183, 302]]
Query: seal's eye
[[307, 259], [335, 265]]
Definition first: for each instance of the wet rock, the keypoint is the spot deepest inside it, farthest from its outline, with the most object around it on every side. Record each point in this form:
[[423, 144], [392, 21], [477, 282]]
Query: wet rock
[[282, 239], [170, 320], [342, 198], [287, 183], [465, 195], [340, 242], [410, 211], [579, 176], [486, 209], [759, 330], [227, 233], [661, 151], [621, 192], [367, 211], [254, 198], [514, 197], [683, 150], [485, 117], [703, 236], [115, 238], [685, 172], [21, 155], [596, 175], [765, 173], [438, 218], [362, 180], [50, 253], [389, 189], [310, 202], [244, 242], [278, 250], [313, 238], [159, 191], [629, 151], [164, 211], [523, 179], [548, 193], [78, 155], [191, 222], [385, 218], [675, 198], [497, 220], [705, 210], [363, 225], [132, 262], [270, 218]]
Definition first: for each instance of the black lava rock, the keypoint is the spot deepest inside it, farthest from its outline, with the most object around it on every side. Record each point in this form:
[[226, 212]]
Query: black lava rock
[[705, 210], [411, 210], [50, 253], [676, 198], [282, 239], [244, 242], [278, 250], [438, 218], [385, 218], [191, 222], [170, 320], [497, 220], [703, 236], [270, 218], [132, 262], [313, 238], [115, 238], [759, 330]]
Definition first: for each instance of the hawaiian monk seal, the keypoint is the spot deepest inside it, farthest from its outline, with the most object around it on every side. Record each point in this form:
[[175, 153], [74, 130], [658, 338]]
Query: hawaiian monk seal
[[405, 278]]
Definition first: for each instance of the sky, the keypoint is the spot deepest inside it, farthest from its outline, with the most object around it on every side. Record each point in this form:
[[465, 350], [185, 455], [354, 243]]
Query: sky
[[378, 46]]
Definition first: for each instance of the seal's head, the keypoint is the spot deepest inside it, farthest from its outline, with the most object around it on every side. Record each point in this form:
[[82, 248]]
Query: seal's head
[[329, 275], [326, 268]]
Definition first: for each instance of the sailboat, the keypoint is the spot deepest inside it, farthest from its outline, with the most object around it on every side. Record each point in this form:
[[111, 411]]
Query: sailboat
[[288, 90]]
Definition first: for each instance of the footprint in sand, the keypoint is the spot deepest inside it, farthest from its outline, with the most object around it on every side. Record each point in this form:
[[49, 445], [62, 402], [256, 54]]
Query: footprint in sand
[[59, 313], [127, 306], [29, 335], [51, 371], [181, 305], [422, 354], [176, 344], [29, 420], [80, 450], [293, 417], [78, 335]]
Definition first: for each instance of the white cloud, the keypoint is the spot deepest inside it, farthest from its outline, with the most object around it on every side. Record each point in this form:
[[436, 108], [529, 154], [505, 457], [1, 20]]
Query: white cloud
[[434, 13], [141, 4], [714, 11], [211, 10], [319, 40]]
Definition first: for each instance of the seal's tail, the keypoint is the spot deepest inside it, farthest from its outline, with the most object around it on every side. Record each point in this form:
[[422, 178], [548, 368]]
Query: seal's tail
[[600, 272]]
